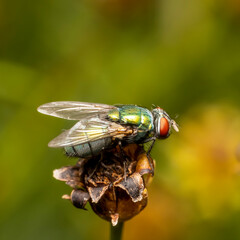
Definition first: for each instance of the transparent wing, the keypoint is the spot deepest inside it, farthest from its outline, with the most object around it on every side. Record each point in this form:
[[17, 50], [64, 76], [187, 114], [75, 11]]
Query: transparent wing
[[91, 130], [74, 110]]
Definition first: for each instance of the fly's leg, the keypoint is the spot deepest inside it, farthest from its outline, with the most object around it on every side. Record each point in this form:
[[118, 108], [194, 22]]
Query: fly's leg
[[96, 167], [153, 139], [124, 171], [123, 156]]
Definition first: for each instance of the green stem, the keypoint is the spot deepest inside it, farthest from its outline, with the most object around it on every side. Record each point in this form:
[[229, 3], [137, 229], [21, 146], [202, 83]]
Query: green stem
[[116, 232]]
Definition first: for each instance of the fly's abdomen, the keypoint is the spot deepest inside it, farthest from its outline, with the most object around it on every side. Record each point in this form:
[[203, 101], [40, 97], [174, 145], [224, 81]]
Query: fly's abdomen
[[132, 115], [88, 149]]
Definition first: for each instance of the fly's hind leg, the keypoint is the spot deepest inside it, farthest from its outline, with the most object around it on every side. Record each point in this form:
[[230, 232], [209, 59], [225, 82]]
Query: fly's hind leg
[[96, 167], [125, 158]]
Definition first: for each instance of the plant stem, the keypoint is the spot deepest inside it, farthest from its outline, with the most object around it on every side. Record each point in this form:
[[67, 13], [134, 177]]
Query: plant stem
[[116, 232]]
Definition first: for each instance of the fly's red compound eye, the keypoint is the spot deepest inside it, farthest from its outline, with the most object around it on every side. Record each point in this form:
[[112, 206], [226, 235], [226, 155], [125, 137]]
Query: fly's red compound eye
[[164, 127]]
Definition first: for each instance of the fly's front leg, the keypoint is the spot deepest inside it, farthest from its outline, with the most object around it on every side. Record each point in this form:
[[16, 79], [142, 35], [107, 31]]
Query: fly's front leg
[[153, 139]]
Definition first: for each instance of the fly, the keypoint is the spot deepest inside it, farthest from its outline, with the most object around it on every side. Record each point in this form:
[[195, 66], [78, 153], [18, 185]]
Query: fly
[[102, 126]]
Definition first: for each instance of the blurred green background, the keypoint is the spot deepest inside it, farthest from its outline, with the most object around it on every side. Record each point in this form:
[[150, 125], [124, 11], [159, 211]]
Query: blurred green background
[[182, 55]]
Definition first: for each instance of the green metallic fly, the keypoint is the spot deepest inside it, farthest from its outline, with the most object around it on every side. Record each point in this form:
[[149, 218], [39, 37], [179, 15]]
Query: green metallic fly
[[102, 126]]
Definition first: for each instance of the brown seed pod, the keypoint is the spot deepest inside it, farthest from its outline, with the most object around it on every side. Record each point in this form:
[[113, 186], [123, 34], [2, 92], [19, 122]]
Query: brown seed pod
[[112, 182]]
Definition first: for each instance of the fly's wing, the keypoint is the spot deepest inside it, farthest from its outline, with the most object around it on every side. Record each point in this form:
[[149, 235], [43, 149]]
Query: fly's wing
[[88, 131], [74, 110]]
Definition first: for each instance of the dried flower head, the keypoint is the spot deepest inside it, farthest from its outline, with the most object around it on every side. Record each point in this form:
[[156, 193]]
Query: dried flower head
[[112, 182]]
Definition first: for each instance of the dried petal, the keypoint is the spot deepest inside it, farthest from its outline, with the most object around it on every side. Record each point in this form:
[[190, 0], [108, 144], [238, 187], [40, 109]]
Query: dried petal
[[67, 197], [114, 219], [70, 174], [96, 192], [143, 165], [134, 186], [79, 198]]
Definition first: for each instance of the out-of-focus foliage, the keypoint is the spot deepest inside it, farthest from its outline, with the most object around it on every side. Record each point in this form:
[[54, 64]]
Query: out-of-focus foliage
[[182, 55]]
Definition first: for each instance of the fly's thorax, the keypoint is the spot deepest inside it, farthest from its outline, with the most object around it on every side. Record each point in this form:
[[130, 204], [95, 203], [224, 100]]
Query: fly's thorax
[[146, 119], [113, 115], [132, 115]]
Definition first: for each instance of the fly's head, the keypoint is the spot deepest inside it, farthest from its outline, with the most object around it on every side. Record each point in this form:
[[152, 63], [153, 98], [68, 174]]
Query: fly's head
[[163, 123]]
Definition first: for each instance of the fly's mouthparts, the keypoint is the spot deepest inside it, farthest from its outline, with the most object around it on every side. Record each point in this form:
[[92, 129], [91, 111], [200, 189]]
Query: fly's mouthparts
[[174, 125]]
